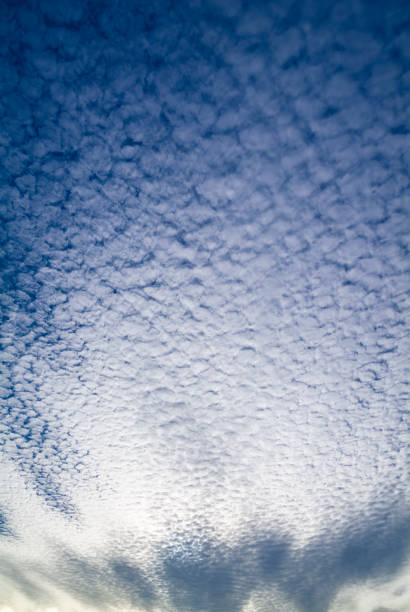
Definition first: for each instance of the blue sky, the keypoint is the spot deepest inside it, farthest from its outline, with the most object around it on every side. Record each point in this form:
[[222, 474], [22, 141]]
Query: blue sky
[[205, 288]]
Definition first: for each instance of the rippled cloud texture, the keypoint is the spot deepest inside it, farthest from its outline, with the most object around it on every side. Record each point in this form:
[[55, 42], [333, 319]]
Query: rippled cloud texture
[[205, 233]]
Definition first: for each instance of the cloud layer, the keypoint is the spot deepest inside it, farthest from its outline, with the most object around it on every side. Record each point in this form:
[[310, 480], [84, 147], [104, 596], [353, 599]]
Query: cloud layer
[[205, 213]]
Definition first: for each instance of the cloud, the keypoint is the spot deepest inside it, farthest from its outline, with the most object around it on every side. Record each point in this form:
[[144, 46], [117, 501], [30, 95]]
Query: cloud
[[204, 216], [192, 571]]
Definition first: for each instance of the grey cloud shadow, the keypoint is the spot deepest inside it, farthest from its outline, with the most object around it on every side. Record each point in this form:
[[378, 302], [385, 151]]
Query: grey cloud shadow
[[22, 583], [358, 553], [109, 581], [83, 579], [310, 577], [129, 578], [200, 577], [210, 577], [198, 573]]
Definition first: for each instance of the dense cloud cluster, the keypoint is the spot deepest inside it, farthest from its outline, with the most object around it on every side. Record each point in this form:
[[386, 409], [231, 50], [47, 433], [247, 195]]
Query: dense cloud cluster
[[205, 242]]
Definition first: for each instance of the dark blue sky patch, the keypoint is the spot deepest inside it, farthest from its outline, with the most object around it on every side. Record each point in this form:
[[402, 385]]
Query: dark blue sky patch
[[48, 488], [5, 531], [35, 440]]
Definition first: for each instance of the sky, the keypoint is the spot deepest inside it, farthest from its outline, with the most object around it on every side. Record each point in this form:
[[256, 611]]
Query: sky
[[205, 224]]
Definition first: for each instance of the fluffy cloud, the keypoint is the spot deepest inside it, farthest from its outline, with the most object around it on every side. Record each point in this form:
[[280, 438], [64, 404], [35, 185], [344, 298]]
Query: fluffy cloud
[[205, 287]]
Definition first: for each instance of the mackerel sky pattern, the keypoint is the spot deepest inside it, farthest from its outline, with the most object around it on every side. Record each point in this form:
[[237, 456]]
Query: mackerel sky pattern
[[205, 222]]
